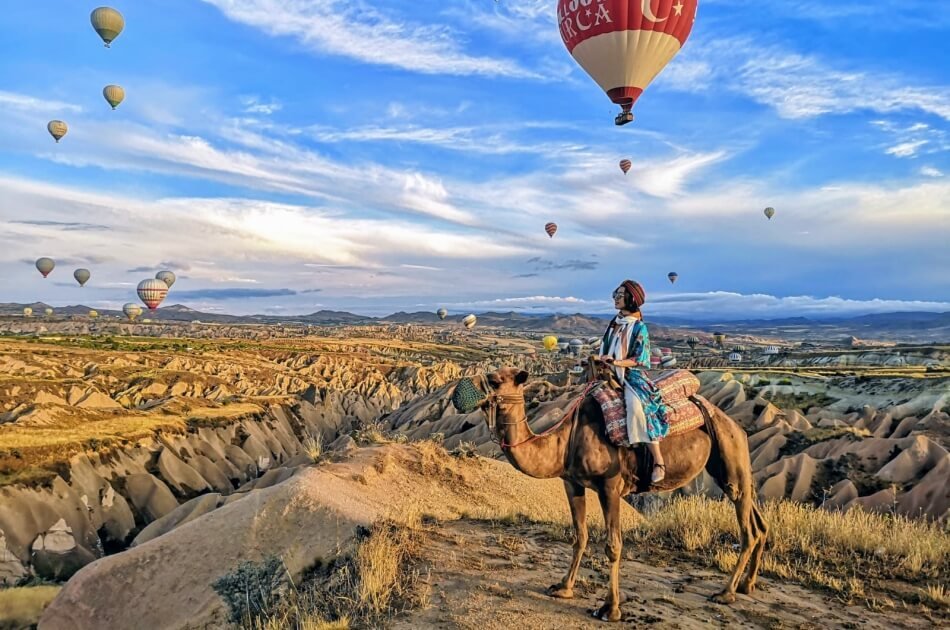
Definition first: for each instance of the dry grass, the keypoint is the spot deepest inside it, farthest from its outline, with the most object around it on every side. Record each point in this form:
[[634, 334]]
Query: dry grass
[[21, 607], [840, 551], [377, 581], [313, 447]]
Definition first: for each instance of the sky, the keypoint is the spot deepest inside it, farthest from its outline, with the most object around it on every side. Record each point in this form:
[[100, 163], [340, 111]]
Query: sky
[[287, 156]]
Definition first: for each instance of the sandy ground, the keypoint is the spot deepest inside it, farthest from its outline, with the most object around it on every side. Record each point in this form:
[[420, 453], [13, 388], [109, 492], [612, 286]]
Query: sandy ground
[[488, 575]]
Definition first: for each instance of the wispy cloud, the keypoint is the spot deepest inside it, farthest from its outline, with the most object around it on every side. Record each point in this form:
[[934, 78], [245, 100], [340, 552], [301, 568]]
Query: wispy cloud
[[352, 28], [35, 104], [68, 226], [231, 294], [798, 85]]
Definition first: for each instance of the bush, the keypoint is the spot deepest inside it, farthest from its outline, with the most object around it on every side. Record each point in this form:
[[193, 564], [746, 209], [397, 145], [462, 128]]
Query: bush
[[252, 590]]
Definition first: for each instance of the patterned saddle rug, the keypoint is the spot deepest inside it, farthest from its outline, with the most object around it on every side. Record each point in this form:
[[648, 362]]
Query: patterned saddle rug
[[678, 390]]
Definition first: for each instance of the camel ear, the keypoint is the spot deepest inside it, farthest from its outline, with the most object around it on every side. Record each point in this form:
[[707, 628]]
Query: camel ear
[[521, 378]]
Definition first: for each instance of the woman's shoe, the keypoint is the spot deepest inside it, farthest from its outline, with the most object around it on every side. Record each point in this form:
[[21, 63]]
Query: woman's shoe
[[659, 473]]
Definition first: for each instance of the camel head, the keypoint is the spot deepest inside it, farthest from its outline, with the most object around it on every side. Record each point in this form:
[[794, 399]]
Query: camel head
[[507, 381]]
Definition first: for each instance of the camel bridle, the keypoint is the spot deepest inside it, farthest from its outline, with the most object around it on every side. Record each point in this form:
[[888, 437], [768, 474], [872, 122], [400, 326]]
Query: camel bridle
[[493, 400], [490, 406]]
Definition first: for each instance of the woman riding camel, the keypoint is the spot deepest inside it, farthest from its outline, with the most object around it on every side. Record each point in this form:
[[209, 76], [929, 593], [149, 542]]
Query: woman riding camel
[[626, 347]]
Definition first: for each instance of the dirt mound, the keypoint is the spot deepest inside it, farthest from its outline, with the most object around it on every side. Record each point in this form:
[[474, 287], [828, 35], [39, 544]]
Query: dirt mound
[[166, 582]]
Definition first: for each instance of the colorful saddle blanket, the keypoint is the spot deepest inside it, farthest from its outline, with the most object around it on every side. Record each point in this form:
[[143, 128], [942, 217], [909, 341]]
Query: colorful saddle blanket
[[678, 390]]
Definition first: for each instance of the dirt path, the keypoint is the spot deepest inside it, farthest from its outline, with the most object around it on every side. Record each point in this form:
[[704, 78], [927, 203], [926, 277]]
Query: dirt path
[[486, 576]]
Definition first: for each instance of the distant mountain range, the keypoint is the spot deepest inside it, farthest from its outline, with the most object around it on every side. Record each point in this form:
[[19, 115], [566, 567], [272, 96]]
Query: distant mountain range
[[898, 326]]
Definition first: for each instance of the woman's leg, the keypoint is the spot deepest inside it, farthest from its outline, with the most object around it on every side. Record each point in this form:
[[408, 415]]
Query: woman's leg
[[659, 468]]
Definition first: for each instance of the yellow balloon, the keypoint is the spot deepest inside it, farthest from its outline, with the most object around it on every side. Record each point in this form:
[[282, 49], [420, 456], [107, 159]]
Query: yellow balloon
[[57, 129], [108, 23], [550, 343], [114, 94]]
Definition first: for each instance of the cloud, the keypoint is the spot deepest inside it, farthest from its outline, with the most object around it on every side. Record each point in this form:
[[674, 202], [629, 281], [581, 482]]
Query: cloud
[[64, 225], [253, 105], [542, 265], [797, 86], [725, 305], [34, 104], [930, 171], [906, 149], [306, 291], [354, 29], [231, 294]]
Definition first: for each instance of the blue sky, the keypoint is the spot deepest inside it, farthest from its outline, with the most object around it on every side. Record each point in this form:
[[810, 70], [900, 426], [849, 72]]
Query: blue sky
[[284, 156]]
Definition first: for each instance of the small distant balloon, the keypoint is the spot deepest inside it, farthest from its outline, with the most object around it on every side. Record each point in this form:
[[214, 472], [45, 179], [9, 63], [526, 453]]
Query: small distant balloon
[[48, 311], [550, 343], [132, 311], [720, 338], [93, 314], [82, 276], [625, 166], [469, 321], [692, 342], [114, 94], [672, 276], [152, 292], [551, 229], [770, 212], [27, 312], [108, 24], [167, 277], [45, 265], [57, 129], [442, 313]]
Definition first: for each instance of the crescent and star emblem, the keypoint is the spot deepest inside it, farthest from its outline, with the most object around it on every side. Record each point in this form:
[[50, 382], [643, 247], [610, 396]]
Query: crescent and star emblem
[[648, 11]]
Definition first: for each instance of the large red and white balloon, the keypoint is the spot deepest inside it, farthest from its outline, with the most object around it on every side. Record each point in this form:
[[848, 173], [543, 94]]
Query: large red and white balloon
[[624, 44], [152, 292]]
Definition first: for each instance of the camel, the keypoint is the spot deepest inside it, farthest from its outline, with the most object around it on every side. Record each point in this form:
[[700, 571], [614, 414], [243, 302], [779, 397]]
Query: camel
[[578, 452]]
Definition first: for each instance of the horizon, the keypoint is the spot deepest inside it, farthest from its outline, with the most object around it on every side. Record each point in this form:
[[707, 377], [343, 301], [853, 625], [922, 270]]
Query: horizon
[[288, 158]]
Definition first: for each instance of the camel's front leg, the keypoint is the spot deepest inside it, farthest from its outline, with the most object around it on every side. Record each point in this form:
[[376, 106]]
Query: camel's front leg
[[578, 501], [610, 503]]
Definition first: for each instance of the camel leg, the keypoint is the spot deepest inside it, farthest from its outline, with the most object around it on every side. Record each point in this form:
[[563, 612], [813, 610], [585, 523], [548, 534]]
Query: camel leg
[[610, 503], [761, 530], [729, 464], [578, 501]]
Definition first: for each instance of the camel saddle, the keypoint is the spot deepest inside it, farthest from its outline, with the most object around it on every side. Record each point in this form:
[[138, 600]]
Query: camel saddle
[[678, 390]]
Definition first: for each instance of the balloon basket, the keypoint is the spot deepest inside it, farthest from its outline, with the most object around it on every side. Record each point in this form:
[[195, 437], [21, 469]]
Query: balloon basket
[[623, 118]]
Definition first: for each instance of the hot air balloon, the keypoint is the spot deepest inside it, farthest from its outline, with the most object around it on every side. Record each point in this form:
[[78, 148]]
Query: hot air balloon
[[82, 276], [625, 166], [27, 311], [624, 44], [45, 265], [735, 357], [167, 277], [720, 339], [114, 94], [442, 313], [770, 350], [692, 342], [93, 314], [551, 229], [132, 311], [738, 349], [152, 292], [57, 129], [672, 276], [469, 321], [108, 23], [550, 343], [48, 311], [770, 212]]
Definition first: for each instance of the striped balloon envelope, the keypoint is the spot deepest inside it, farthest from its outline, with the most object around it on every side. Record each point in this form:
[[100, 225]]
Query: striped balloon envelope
[[625, 166], [152, 292], [551, 229], [624, 44]]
